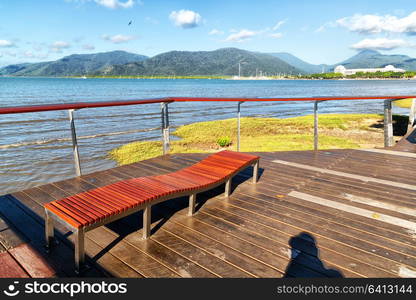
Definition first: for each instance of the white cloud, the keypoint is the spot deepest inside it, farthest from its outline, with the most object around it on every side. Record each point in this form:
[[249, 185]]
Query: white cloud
[[118, 38], [241, 36], [276, 35], [370, 24], [185, 18], [113, 4], [6, 43], [380, 44], [58, 46], [216, 32], [88, 47], [278, 25]]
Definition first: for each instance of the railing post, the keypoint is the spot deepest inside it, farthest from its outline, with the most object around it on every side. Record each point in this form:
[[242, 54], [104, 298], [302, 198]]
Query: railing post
[[239, 124], [388, 124], [165, 127], [411, 115], [315, 125], [74, 143]]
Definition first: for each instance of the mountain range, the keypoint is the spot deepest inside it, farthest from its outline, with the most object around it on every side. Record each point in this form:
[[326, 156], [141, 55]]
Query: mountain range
[[219, 62], [76, 64], [374, 59]]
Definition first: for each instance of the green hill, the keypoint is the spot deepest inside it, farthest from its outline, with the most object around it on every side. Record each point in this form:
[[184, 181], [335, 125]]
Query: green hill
[[72, 65], [374, 59], [219, 62]]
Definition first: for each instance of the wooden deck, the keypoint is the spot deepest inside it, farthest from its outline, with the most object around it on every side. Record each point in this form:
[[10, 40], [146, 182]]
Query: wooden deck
[[340, 213]]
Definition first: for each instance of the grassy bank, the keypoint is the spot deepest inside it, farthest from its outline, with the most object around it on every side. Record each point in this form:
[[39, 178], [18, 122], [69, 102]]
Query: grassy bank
[[336, 131], [404, 103]]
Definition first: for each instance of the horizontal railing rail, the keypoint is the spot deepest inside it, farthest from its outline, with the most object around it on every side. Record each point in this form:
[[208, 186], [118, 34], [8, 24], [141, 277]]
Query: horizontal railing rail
[[165, 127], [81, 105]]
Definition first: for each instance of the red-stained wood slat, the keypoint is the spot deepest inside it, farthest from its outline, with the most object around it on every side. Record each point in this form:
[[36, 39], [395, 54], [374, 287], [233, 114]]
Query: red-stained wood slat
[[34, 264], [9, 268]]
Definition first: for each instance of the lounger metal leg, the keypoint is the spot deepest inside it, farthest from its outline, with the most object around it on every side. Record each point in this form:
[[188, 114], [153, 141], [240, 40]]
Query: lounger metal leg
[[79, 250], [192, 202], [256, 172], [147, 217], [49, 230], [228, 187]]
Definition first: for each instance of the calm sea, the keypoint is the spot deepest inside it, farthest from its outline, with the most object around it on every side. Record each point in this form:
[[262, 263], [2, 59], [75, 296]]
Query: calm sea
[[36, 148]]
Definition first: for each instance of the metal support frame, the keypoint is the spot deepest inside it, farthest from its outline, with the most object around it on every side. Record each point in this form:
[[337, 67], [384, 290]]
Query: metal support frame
[[74, 143], [412, 113], [79, 249], [315, 126], [239, 124], [165, 127], [388, 123], [192, 202], [49, 230], [256, 172], [147, 220], [227, 191]]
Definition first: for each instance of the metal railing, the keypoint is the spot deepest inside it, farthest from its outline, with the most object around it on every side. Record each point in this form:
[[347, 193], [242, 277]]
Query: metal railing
[[164, 102]]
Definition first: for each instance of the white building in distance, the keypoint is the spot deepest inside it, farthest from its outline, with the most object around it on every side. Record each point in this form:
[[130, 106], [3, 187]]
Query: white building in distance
[[345, 71]]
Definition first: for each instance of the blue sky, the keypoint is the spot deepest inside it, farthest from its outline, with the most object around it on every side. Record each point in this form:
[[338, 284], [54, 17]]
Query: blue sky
[[316, 31]]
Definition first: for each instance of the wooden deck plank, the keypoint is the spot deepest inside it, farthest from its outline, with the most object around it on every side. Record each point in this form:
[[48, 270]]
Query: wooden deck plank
[[351, 186], [137, 260], [9, 268], [271, 191], [354, 175], [311, 210], [199, 256], [9, 236], [279, 179], [270, 230], [234, 255], [34, 264], [259, 231], [278, 256], [269, 187], [250, 202]]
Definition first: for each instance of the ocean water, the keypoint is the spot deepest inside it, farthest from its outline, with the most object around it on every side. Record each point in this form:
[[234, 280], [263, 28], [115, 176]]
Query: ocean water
[[35, 148]]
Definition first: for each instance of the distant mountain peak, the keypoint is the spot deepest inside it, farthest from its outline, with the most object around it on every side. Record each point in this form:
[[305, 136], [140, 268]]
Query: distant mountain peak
[[368, 52]]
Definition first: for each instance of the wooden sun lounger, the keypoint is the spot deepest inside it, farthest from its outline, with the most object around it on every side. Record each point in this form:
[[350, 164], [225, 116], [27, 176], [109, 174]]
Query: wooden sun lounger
[[100, 206]]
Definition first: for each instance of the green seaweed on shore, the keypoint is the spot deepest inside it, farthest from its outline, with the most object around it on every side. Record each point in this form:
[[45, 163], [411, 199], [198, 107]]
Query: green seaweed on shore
[[337, 131]]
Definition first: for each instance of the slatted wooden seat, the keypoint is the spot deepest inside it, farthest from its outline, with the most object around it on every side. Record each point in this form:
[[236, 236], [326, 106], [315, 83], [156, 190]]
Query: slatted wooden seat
[[100, 206]]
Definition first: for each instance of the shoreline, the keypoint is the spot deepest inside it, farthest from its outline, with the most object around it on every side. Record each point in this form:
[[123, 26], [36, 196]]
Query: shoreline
[[207, 78], [337, 131]]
